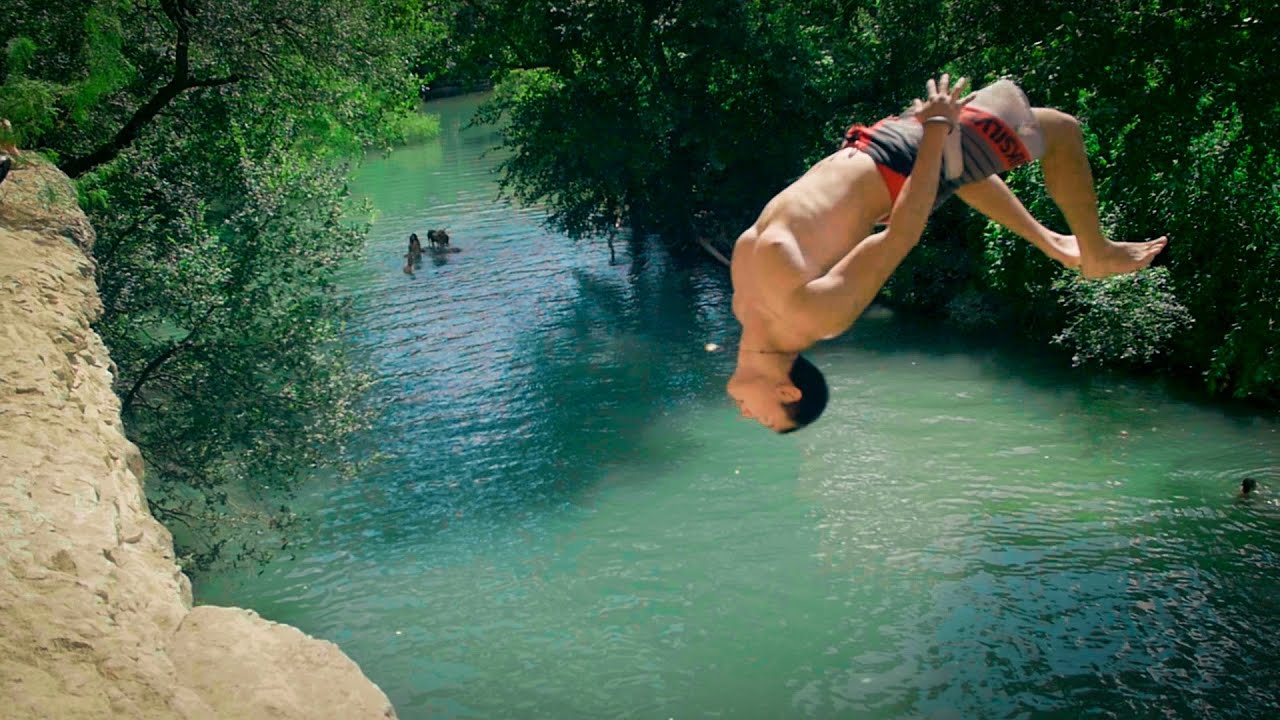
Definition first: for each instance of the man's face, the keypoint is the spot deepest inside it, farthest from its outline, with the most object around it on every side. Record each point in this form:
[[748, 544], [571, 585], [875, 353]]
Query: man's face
[[761, 399]]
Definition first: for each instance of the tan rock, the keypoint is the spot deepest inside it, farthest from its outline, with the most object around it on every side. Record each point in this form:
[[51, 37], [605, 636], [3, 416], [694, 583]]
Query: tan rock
[[95, 617], [277, 669]]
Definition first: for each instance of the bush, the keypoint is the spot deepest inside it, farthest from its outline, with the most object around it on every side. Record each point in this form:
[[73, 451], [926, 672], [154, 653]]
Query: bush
[[414, 127], [1128, 319]]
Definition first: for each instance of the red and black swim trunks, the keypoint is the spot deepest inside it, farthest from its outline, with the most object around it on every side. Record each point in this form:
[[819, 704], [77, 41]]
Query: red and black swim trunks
[[989, 143]]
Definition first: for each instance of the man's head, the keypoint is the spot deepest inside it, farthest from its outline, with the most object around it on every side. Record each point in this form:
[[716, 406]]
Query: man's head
[[781, 399], [1248, 485], [813, 393]]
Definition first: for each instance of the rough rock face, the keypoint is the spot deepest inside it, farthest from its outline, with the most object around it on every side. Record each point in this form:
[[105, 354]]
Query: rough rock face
[[95, 617]]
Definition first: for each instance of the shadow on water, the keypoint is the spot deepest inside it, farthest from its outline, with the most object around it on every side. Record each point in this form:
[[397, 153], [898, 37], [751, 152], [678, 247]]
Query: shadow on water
[[519, 427], [1046, 369], [1157, 437]]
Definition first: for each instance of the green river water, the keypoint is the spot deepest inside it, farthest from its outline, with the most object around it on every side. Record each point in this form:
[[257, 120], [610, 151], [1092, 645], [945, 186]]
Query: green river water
[[571, 521]]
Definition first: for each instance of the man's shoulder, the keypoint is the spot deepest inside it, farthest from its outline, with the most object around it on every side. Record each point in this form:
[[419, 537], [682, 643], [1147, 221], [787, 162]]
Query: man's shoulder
[[768, 260], [767, 286]]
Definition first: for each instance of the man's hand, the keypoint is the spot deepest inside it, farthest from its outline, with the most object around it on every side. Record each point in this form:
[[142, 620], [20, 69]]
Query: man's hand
[[942, 100]]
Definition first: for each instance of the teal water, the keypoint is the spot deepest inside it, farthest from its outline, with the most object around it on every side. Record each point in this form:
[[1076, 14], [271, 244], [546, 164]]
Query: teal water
[[570, 521]]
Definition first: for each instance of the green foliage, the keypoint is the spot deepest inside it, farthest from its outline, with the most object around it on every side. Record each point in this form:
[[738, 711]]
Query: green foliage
[[1236, 268], [19, 52], [1129, 319], [972, 310], [407, 128], [930, 277], [108, 68], [680, 120], [1181, 140], [338, 69], [28, 105], [217, 257]]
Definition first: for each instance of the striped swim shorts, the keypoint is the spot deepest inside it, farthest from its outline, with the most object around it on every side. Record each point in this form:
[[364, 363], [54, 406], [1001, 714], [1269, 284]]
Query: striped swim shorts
[[998, 132]]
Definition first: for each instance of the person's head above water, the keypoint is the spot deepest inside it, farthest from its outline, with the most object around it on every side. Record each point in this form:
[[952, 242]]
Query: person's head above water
[[782, 391], [1248, 485]]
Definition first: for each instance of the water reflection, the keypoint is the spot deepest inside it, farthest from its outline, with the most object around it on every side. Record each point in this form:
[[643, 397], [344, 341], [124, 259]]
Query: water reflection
[[530, 409]]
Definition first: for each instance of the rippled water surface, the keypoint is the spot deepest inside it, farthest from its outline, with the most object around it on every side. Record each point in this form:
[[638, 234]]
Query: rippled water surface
[[570, 522]]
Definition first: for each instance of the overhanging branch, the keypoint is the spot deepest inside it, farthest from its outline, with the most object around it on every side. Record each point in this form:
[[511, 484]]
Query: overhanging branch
[[180, 82]]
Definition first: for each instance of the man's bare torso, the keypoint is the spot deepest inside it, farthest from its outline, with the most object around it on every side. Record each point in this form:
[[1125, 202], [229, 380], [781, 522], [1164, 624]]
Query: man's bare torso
[[799, 236]]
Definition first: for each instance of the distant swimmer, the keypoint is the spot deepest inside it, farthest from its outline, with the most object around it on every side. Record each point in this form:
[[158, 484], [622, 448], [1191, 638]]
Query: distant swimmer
[[414, 256]]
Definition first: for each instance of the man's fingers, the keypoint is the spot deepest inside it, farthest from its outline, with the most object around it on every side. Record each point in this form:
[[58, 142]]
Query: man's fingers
[[942, 91]]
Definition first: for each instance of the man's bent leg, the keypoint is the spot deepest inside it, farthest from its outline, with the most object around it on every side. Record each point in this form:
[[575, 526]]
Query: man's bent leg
[[992, 198], [1070, 183]]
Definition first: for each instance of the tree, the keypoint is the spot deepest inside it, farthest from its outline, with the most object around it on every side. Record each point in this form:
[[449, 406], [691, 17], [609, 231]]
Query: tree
[[1180, 125], [131, 61]]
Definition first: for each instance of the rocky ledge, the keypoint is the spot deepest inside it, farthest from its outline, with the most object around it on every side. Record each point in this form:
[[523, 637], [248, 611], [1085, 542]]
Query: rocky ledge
[[96, 619]]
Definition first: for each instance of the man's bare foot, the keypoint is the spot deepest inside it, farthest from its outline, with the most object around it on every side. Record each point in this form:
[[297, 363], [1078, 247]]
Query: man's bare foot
[[1119, 258], [1063, 248]]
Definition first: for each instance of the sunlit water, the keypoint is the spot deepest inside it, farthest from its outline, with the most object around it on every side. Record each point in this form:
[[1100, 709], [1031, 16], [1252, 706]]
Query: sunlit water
[[571, 522]]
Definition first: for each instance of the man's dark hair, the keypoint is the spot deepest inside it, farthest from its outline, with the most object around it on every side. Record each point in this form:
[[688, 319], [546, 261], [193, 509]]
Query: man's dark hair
[[1248, 485], [813, 394]]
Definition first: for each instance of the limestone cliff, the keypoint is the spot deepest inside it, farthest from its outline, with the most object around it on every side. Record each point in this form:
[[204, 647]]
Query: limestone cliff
[[96, 620]]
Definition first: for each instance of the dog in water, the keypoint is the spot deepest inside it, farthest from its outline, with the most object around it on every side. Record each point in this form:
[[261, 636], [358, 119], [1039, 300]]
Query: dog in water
[[438, 240]]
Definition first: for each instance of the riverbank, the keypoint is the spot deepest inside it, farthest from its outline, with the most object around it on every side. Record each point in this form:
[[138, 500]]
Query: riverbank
[[96, 618]]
